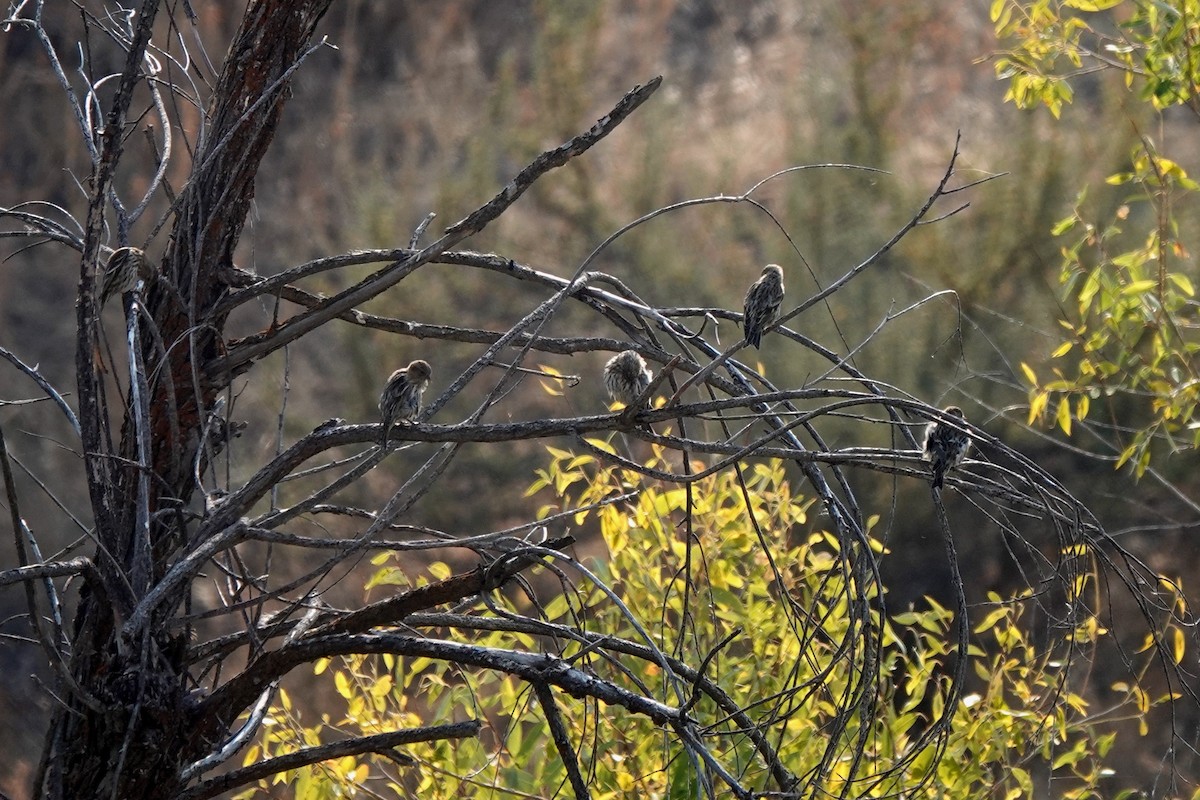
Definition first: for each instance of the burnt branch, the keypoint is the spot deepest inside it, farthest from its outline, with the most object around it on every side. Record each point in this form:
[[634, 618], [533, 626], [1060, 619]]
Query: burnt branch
[[379, 743]]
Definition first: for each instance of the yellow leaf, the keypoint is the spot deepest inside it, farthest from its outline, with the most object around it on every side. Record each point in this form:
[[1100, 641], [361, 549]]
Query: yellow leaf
[[382, 686], [1180, 646], [1037, 406], [1063, 417], [1062, 349], [991, 619], [553, 386], [1029, 373], [600, 444], [1126, 454]]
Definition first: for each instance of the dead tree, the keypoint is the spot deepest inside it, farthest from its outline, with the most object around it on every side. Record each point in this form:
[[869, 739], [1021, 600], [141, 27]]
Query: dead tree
[[144, 712]]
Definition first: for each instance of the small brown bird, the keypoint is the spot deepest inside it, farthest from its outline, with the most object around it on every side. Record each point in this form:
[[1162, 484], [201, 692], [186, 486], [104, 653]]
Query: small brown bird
[[401, 397], [945, 446], [626, 376], [762, 303], [124, 268]]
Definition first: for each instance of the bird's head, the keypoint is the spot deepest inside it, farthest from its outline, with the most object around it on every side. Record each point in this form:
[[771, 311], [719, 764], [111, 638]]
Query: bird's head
[[419, 371], [133, 255], [630, 362]]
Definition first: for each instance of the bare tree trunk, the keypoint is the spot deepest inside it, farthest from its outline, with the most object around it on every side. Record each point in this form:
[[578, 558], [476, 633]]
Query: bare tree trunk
[[135, 727]]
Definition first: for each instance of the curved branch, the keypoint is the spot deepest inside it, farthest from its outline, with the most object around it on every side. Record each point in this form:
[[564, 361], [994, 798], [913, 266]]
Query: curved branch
[[45, 386], [377, 743], [916, 219], [255, 347]]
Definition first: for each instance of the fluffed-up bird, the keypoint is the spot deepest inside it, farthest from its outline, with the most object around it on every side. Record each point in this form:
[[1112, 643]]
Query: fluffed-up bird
[[401, 397], [762, 303], [124, 268], [626, 376], [945, 446]]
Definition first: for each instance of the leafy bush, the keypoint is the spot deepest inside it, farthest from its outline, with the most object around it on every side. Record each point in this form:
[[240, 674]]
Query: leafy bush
[[765, 596]]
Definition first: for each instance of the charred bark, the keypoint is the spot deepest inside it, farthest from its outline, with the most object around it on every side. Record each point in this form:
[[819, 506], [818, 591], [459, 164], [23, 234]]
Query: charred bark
[[136, 725]]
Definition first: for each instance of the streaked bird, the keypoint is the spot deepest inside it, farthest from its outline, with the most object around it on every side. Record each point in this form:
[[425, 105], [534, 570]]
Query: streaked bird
[[124, 268], [626, 376], [945, 446], [401, 397], [762, 303]]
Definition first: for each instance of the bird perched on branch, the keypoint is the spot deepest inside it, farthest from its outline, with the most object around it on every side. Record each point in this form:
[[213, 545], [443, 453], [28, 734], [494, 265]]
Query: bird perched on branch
[[401, 397], [762, 303], [945, 446], [626, 376], [124, 268]]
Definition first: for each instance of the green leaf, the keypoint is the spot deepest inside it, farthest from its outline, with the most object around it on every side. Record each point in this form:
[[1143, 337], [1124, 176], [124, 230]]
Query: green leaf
[[1063, 225], [1139, 287], [1001, 12], [1183, 282]]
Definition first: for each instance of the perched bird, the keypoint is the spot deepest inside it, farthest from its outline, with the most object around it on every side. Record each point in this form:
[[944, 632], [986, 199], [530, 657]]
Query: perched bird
[[626, 376], [124, 268], [401, 398], [762, 303], [945, 447]]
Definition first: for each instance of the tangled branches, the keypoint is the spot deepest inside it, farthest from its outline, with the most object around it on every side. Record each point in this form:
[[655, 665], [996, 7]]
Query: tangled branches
[[168, 522]]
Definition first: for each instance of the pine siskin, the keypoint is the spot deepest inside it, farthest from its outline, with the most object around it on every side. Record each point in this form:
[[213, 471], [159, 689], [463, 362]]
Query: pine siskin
[[626, 376], [762, 303], [124, 268], [945, 446], [401, 398]]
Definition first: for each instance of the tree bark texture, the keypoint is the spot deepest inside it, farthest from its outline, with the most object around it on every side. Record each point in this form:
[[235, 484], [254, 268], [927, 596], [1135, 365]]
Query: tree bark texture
[[138, 726]]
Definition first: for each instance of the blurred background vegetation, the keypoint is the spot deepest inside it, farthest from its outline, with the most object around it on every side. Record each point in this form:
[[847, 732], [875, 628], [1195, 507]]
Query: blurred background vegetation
[[433, 106]]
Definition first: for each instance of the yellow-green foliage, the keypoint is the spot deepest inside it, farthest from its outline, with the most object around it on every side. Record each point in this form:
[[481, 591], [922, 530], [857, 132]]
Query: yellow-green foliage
[[1132, 312], [1018, 726]]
